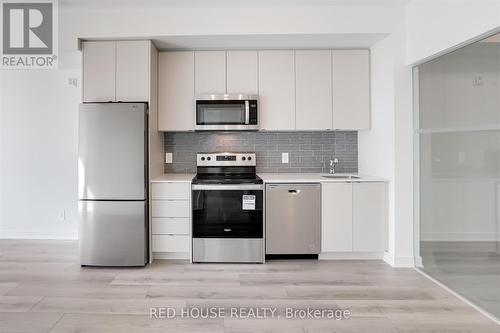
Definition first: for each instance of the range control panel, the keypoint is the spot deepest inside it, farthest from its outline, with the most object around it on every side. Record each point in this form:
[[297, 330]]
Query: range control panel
[[226, 159]]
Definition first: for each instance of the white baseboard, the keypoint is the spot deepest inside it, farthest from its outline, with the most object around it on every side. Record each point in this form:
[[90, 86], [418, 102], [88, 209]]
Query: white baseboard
[[350, 255], [399, 262], [171, 255], [418, 262], [38, 234], [459, 237]]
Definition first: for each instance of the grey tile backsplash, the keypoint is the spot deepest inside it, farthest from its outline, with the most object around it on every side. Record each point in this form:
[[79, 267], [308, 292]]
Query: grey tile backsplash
[[308, 151]]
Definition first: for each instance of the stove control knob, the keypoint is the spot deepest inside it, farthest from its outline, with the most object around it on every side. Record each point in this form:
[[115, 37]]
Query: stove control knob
[[209, 158], [202, 158], [243, 158], [249, 158]]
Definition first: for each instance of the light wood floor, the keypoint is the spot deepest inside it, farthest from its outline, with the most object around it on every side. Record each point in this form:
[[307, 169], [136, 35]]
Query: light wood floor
[[43, 289], [470, 268]]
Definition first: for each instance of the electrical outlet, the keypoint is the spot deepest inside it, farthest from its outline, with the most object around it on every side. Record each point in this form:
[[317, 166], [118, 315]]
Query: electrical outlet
[[73, 82], [284, 157], [61, 214], [168, 157]]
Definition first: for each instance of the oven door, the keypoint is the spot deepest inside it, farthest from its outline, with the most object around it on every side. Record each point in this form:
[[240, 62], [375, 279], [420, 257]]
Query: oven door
[[225, 115], [228, 211]]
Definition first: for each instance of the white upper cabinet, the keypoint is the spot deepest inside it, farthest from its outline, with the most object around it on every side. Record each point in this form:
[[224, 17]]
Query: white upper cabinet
[[336, 217], [369, 216], [132, 71], [210, 72], [276, 90], [351, 89], [176, 91], [116, 71], [99, 71], [313, 82], [298, 90], [242, 76]]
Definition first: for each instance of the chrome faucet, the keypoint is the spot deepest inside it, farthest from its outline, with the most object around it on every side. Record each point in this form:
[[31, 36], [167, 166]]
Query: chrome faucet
[[333, 163]]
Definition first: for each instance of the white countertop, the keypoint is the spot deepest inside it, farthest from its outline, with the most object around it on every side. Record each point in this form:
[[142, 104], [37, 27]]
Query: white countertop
[[173, 177], [277, 178], [314, 178]]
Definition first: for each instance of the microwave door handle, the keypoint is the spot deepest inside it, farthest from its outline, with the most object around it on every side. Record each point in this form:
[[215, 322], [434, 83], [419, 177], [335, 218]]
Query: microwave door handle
[[247, 112]]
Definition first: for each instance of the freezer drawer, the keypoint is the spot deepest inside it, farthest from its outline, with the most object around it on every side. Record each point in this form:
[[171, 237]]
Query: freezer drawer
[[113, 233], [293, 219]]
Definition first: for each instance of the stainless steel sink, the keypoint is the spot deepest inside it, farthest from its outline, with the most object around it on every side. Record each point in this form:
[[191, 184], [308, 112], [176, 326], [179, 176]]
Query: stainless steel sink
[[334, 176]]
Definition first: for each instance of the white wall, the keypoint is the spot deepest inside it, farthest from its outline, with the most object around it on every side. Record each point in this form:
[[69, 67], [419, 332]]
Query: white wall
[[376, 146], [38, 148], [435, 26], [38, 138], [387, 149]]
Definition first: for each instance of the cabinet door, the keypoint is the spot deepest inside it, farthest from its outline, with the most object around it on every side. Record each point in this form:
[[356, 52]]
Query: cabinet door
[[99, 68], [132, 71], [336, 217], [210, 72], [242, 72], [276, 90], [313, 82], [351, 89], [369, 217], [176, 91]]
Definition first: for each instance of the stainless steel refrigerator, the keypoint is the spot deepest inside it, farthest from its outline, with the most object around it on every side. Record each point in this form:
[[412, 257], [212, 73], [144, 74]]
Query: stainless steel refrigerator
[[112, 184]]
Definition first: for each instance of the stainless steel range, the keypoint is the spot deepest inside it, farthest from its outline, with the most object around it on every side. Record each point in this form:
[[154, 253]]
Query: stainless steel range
[[228, 212]]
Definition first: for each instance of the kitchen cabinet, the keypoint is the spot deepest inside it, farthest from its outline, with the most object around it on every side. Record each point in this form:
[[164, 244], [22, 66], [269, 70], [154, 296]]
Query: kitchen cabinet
[[176, 91], [116, 71], [298, 90], [132, 70], [353, 217], [171, 219], [242, 73], [351, 89], [313, 84], [210, 72], [369, 216], [276, 77], [336, 212], [99, 71]]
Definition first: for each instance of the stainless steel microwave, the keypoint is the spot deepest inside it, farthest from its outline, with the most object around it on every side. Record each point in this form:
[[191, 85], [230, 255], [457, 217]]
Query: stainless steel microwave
[[226, 113]]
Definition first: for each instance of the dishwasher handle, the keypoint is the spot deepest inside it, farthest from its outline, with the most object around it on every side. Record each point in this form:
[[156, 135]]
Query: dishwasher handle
[[293, 188]]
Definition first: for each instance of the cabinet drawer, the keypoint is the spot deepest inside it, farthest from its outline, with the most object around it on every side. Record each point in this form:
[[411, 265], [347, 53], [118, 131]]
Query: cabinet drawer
[[171, 191], [170, 208], [170, 225], [170, 243]]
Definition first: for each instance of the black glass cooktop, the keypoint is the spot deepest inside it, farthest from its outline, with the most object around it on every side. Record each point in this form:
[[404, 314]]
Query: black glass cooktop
[[227, 179]]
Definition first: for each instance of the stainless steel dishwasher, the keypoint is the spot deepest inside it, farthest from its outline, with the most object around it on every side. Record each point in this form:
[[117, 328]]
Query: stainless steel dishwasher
[[293, 219]]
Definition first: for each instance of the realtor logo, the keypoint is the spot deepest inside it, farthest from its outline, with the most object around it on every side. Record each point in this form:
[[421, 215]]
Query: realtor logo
[[29, 37]]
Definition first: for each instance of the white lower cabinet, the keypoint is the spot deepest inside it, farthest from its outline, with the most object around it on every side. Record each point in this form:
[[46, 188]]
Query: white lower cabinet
[[170, 208], [354, 217], [369, 217], [336, 217], [170, 225], [170, 243], [171, 220]]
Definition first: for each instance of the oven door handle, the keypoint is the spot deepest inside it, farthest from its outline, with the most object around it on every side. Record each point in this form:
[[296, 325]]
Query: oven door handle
[[228, 187]]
